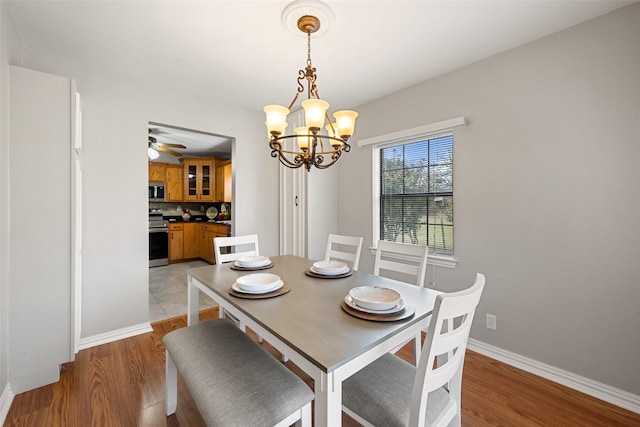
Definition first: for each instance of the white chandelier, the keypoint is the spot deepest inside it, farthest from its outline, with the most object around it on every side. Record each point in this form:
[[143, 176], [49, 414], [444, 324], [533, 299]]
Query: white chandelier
[[315, 148]]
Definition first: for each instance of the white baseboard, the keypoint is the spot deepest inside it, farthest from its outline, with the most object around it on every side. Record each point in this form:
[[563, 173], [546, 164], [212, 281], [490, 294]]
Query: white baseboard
[[5, 403], [116, 335], [584, 385]]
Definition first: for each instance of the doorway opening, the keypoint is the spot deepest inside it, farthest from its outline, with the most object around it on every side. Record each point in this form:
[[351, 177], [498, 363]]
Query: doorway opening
[[191, 174]]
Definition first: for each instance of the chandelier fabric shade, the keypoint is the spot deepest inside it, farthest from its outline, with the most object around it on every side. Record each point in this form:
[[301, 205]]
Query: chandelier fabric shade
[[317, 145]]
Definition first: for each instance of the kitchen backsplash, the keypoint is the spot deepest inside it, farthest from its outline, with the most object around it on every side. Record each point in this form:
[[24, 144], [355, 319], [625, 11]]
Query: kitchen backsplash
[[176, 209]]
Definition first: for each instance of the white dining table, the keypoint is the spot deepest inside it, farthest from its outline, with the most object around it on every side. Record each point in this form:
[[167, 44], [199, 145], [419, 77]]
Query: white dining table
[[308, 325]]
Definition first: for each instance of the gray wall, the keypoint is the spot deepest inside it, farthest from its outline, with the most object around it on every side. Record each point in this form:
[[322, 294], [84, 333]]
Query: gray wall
[[7, 44], [116, 112], [545, 192]]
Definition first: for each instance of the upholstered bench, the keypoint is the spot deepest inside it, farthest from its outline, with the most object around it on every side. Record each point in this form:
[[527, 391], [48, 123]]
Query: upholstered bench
[[232, 379]]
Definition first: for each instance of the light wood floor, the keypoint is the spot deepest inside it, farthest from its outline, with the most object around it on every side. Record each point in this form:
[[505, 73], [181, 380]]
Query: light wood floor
[[122, 384]]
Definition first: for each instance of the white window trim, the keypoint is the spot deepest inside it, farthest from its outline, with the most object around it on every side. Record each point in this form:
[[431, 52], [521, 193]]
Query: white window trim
[[397, 138], [437, 260]]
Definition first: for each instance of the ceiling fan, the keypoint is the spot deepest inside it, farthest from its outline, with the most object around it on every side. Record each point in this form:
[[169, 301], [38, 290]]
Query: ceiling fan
[[155, 146]]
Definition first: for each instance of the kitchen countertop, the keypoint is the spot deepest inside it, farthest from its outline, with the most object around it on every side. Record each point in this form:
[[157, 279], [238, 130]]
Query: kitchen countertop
[[172, 219]]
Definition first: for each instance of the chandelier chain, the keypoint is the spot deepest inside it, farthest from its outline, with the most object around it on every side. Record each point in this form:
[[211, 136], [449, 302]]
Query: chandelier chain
[[308, 49]]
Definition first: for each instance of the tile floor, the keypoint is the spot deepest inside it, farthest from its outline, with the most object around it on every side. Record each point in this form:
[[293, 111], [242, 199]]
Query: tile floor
[[168, 291]]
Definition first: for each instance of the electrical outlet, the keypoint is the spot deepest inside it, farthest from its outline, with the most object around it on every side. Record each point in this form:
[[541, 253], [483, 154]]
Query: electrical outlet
[[492, 321]]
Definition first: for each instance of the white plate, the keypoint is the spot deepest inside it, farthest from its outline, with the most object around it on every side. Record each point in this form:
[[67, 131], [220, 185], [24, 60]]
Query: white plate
[[399, 307], [212, 212], [330, 268], [259, 282], [332, 272], [252, 261], [375, 297], [275, 287]]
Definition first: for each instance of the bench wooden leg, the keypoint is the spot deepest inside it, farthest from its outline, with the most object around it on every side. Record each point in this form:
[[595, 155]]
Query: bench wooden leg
[[171, 385]]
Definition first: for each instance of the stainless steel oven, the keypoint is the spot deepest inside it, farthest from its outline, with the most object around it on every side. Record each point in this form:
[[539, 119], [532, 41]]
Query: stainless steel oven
[[158, 239]]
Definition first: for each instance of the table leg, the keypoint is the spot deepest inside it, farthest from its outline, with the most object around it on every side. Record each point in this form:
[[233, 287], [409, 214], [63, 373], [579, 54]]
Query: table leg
[[328, 401], [193, 302]]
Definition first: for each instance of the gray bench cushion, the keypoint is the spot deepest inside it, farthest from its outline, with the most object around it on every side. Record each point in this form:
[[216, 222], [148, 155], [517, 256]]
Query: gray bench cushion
[[233, 380]]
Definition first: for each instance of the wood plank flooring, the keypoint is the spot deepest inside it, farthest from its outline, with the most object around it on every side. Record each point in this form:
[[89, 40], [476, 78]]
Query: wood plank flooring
[[122, 384]]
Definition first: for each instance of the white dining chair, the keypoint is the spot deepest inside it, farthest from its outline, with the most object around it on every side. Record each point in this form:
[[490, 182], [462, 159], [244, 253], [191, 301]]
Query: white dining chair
[[344, 248], [239, 246], [391, 392], [410, 261]]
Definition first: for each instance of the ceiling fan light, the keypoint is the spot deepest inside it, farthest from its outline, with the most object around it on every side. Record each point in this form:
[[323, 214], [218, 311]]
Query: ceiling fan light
[[153, 154]]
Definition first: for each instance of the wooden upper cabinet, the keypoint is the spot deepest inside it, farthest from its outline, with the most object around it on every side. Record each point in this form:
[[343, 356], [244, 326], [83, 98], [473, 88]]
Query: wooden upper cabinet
[[223, 180], [157, 172], [198, 179], [174, 183]]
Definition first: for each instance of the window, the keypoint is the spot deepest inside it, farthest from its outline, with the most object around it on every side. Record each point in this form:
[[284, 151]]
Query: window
[[416, 193], [413, 187]]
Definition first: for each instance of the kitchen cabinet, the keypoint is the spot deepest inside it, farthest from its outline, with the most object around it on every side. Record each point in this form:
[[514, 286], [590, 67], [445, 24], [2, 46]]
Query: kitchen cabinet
[[198, 179], [192, 236], [157, 172], [223, 180], [174, 183], [209, 232], [191, 240], [176, 242]]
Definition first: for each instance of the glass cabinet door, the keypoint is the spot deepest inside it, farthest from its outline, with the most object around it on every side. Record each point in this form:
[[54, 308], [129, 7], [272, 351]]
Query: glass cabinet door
[[198, 179], [206, 180], [192, 182]]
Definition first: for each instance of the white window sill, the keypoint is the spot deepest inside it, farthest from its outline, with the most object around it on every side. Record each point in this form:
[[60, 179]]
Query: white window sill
[[436, 260]]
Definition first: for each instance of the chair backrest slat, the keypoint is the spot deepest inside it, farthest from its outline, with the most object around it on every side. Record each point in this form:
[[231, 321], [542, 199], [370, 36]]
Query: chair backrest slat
[[337, 246], [402, 258], [235, 241]]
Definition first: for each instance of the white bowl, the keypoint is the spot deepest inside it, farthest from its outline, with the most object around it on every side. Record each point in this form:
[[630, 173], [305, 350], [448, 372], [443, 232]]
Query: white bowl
[[375, 297], [331, 272], [330, 268], [252, 261], [257, 282]]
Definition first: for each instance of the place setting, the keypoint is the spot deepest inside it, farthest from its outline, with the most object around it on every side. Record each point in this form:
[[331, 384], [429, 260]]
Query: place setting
[[376, 303], [329, 270], [252, 263], [259, 286]]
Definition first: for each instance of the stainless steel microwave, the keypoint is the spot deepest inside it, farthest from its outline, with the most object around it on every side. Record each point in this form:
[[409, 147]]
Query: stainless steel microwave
[[156, 191]]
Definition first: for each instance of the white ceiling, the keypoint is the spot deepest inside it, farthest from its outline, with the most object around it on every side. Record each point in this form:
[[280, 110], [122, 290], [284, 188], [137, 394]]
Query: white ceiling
[[199, 144], [239, 53]]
